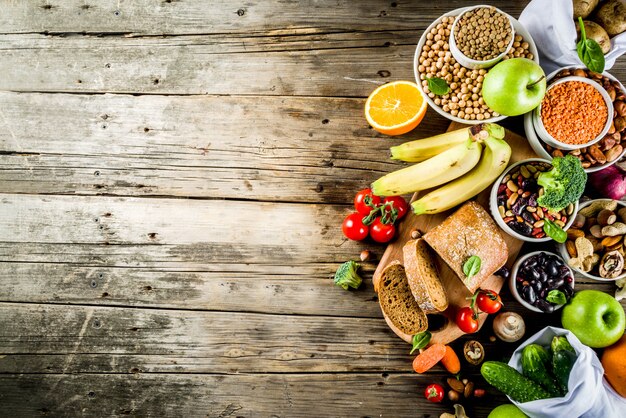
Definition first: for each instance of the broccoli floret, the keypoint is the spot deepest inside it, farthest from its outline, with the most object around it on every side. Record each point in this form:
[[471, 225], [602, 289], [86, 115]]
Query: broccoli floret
[[346, 275], [563, 184]]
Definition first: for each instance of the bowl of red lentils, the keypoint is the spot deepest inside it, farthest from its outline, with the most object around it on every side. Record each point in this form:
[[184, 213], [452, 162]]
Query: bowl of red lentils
[[575, 113], [609, 149], [513, 202], [433, 59], [481, 36]]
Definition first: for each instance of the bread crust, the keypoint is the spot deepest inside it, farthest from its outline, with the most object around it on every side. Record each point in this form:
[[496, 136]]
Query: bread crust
[[423, 277], [469, 231]]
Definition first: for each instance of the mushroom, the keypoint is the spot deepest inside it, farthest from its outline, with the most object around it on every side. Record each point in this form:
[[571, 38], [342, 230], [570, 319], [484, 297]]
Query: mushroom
[[509, 327], [474, 352], [612, 265], [459, 412]]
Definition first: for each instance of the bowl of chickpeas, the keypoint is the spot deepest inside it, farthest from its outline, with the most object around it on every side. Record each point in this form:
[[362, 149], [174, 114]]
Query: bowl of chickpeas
[[463, 102]]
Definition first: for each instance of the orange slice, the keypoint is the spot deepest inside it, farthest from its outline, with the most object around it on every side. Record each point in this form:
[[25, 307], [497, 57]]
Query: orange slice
[[395, 108]]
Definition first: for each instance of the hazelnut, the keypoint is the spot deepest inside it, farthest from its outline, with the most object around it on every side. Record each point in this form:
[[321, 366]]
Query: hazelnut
[[606, 217]]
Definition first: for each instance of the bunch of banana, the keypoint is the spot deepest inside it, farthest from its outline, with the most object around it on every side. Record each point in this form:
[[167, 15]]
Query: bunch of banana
[[454, 160]]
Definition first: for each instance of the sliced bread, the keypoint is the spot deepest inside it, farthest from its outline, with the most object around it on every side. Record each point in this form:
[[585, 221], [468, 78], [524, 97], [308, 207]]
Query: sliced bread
[[423, 277], [397, 301]]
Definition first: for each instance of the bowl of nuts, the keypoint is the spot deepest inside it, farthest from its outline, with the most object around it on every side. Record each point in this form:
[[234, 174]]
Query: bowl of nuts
[[609, 149], [595, 245], [513, 202], [461, 100], [575, 113], [537, 277], [481, 36]]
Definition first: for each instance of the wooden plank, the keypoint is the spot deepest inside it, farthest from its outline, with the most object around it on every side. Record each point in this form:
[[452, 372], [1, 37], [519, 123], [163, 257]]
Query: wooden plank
[[321, 151], [175, 17], [336, 395], [458, 294]]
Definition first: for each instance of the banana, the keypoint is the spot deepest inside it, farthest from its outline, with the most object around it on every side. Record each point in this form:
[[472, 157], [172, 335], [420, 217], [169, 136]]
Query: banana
[[423, 149], [492, 164], [435, 171]]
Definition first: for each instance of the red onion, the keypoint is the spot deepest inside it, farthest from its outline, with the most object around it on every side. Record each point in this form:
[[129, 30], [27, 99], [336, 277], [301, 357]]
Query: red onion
[[610, 182]]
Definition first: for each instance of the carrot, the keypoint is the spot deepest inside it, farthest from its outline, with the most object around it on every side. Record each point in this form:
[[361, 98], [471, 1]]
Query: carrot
[[428, 358], [451, 361]]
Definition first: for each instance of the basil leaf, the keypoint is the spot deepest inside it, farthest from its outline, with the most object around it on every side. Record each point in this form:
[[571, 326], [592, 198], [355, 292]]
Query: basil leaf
[[471, 266], [421, 340], [589, 51], [438, 86], [557, 297], [554, 231]]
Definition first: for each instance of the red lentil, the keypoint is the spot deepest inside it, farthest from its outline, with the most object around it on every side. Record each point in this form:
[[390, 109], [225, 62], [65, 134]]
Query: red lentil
[[573, 112]]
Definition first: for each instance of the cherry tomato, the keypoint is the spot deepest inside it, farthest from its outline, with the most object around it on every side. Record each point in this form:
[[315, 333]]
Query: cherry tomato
[[353, 227], [360, 203], [381, 232], [488, 301], [434, 393], [399, 204], [467, 320]]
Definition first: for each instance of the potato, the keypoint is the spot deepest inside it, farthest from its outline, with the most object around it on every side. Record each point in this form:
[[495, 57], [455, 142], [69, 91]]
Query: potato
[[583, 8], [597, 33], [612, 17]]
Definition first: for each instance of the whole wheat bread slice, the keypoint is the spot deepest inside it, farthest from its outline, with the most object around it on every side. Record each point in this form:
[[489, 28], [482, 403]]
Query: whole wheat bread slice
[[423, 277], [397, 301]]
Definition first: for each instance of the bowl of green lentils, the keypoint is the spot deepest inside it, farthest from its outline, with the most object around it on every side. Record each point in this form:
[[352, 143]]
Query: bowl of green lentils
[[461, 100]]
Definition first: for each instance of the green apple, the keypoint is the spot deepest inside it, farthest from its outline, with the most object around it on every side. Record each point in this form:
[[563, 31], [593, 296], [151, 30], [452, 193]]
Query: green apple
[[596, 318], [514, 86], [507, 411]]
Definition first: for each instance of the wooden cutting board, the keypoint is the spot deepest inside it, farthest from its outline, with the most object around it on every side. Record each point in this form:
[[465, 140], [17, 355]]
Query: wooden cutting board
[[457, 292]]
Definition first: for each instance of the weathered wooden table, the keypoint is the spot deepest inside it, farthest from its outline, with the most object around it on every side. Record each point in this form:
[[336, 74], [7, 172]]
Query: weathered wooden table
[[173, 175]]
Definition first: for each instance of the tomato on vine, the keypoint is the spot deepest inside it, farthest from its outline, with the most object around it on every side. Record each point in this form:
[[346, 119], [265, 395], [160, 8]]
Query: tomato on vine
[[467, 320], [382, 232], [488, 301], [399, 204], [354, 228], [365, 201]]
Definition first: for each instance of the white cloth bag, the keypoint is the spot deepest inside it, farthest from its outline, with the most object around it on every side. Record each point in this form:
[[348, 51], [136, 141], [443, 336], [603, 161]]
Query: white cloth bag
[[551, 24], [589, 395]]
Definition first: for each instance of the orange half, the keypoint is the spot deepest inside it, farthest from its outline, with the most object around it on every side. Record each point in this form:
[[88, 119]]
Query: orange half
[[395, 108]]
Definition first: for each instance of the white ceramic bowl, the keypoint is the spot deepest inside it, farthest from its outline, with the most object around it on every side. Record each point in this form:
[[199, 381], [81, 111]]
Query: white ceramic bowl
[[549, 139], [536, 143], [563, 251], [513, 280], [493, 205], [519, 30], [468, 62]]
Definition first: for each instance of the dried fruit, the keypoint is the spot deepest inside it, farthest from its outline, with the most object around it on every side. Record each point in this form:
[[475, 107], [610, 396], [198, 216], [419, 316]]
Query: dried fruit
[[612, 265]]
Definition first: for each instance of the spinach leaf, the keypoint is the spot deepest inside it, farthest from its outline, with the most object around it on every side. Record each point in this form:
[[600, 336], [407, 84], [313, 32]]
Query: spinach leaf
[[472, 266], [557, 297], [438, 86], [554, 231], [421, 340], [589, 51]]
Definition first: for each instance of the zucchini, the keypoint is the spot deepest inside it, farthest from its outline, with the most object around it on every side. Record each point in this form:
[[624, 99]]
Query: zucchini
[[563, 359], [511, 382], [536, 364]]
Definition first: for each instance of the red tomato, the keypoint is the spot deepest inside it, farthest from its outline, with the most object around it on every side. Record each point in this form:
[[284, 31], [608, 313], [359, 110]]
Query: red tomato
[[360, 203], [434, 393], [399, 204], [467, 320], [381, 232], [488, 301], [353, 227]]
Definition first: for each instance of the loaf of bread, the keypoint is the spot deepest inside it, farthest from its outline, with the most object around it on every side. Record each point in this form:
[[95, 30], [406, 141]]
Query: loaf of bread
[[397, 301], [423, 277], [467, 232]]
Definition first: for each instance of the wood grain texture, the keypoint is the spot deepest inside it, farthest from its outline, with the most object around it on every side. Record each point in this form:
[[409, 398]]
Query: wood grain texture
[[321, 151]]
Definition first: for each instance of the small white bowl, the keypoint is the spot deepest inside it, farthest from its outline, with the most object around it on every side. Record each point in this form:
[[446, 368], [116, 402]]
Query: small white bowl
[[563, 250], [549, 139], [468, 62], [513, 280], [493, 205], [519, 29]]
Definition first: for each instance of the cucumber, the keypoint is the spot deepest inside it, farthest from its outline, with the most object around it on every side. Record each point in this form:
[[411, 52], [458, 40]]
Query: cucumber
[[536, 364], [512, 383], [563, 359]]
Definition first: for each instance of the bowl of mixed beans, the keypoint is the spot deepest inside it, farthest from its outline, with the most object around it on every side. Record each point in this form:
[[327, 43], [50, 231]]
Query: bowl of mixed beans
[[609, 149], [433, 59], [575, 113], [513, 202]]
